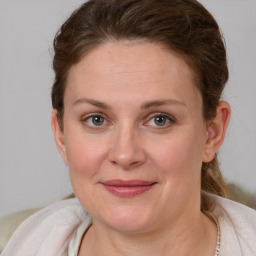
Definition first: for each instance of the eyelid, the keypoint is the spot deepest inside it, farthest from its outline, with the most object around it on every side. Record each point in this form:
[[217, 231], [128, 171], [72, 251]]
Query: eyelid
[[148, 118], [87, 116], [168, 116]]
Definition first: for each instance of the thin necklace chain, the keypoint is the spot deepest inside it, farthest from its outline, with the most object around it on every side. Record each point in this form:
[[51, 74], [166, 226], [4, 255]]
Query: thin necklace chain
[[217, 250]]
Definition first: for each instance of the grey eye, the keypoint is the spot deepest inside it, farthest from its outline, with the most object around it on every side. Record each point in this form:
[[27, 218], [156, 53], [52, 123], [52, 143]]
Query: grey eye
[[96, 120], [160, 120]]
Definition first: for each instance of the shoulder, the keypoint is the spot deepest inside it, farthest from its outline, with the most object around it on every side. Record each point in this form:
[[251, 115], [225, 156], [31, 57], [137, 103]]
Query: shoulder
[[48, 231], [10, 222], [238, 227]]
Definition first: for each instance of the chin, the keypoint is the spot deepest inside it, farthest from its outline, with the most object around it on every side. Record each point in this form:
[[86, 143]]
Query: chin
[[129, 219]]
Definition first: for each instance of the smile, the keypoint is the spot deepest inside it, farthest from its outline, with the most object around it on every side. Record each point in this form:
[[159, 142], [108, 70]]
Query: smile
[[128, 188]]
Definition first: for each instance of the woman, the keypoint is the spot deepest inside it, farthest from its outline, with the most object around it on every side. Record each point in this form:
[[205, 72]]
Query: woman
[[138, 119]]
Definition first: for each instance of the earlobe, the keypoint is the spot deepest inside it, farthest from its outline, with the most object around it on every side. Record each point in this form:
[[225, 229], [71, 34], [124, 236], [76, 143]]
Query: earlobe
[[58, 135], [216, 130]]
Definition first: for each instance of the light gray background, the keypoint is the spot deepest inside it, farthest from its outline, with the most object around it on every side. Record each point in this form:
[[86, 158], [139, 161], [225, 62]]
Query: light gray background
[[31, 171]]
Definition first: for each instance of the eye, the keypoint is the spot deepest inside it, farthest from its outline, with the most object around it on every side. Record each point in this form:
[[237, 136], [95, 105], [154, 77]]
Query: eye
[[160, 120], [95, 120]]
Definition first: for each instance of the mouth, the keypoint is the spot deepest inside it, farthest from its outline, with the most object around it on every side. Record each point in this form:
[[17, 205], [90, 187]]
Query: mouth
[[127, 188]]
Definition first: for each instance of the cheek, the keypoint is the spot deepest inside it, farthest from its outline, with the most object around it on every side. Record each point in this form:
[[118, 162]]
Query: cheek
[[179, 156], [84, 155], [84, 160]]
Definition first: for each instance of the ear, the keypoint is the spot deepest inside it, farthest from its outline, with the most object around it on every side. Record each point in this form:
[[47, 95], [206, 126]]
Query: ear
[[216, 130], [58, 136]]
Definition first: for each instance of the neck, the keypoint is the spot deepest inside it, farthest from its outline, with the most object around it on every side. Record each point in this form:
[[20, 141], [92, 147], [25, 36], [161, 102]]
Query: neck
[[194, 236]]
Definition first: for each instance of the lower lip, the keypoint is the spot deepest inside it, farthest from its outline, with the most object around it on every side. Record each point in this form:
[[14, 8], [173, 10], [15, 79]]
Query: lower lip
[[128, 191]]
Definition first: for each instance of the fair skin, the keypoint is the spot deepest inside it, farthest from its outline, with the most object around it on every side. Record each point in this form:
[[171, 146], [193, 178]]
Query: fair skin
[[133, 114]]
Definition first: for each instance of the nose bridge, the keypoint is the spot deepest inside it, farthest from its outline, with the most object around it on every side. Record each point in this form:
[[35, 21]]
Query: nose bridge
[[126, 149]]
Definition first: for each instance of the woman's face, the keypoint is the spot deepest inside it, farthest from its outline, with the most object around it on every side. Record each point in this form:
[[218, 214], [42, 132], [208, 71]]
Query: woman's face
[[134, 136]]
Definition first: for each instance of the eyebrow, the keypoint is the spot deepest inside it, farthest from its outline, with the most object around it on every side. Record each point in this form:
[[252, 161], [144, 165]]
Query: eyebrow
[[146, 105], [157, 103], [95, 103]]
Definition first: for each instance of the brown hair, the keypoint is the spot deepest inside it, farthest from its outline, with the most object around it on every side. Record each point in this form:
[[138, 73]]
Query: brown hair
[[184, 26]]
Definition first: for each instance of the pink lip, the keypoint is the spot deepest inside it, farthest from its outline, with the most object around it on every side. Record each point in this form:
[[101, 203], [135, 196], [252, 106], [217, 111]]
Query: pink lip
[[127, 188]]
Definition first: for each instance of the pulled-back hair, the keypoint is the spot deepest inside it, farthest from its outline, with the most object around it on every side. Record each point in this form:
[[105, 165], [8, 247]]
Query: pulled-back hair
[[183, 26]]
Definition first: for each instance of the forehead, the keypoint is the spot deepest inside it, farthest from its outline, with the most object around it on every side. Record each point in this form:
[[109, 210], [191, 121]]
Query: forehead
[[131, 67]]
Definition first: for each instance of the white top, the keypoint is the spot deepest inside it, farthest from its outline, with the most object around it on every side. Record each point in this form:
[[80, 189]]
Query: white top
[[57, 230], [76, 240]]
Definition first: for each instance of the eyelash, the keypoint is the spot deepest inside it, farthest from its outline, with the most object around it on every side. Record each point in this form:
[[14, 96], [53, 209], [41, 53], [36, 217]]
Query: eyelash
[[168, 118], [86, 118]]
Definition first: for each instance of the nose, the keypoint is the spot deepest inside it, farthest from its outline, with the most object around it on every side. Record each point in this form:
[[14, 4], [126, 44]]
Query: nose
[[127, 150]]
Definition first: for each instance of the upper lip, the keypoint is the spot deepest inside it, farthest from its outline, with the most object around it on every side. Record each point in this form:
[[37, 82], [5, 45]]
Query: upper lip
[[127, 183]]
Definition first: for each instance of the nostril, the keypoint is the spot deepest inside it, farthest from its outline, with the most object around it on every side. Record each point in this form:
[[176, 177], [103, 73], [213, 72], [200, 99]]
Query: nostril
[[126, 151], [135, 163], [127, 165]]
